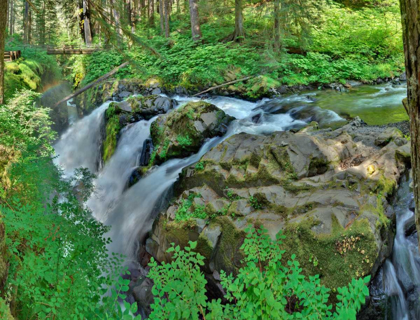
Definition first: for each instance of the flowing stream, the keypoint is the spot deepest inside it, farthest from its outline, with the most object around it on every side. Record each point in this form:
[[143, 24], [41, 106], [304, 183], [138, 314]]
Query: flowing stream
[[402, 270], [130, 211]]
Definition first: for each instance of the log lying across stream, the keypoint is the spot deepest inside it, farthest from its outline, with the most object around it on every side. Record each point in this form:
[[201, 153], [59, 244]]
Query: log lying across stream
[[92, 84], [222, 85]]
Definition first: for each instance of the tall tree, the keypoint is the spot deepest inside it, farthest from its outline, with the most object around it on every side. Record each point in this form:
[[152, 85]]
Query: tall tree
[[26, 23], [239, 33], [162, 17], [86, 24], [411, 25], [195, 20], [277, 25], [151, 13], [167, 12], [3, 24]]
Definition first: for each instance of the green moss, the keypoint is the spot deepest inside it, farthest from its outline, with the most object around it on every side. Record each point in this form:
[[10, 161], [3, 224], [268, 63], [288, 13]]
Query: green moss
[[113, 128], [342, 255], [229, 255]]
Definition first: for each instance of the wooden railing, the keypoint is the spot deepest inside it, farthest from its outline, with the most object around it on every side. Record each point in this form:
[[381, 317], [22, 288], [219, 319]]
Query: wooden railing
[[12, 55], [72, 50]]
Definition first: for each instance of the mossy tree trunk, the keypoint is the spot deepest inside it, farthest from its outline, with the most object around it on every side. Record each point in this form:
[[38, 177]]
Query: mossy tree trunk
[[86, 24], [3, 22], [167, 12], [410, 16], [277, 45], [239, 33], [195, 20]]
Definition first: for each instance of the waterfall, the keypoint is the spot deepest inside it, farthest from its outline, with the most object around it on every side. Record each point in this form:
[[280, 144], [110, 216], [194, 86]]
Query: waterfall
[[111, 182], [402, 269], [80, 145]]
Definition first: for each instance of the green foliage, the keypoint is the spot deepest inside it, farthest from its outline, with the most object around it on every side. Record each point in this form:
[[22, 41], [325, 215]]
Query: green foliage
[[264, 288], [59, 265], [184, 141], [255, 203], [184, 212], [113, 128], [199, 166], [28, 71]]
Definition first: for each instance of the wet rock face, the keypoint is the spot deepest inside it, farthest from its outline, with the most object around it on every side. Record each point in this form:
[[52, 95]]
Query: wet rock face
[[134, 109], [144, 108], [327, 191], [182, 132]]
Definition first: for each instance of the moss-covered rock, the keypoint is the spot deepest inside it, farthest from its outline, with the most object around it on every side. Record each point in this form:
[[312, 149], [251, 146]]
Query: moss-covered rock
[[182, 132], [327, 191], [134, 109]]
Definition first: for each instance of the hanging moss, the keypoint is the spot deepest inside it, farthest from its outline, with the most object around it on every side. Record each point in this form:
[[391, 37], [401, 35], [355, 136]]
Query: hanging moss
[[337, 257], [113, 128]]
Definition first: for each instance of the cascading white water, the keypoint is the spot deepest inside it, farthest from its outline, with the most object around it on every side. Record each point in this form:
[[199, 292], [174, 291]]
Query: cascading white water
[[72, 112], [111, 182], [128, 212], [131, 218], [80, 145], [402, 270]]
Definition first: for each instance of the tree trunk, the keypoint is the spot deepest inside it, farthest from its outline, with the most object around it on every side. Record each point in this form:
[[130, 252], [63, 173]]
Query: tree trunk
[[152, 13], [26, 24], [3, 24], [239, 21], [86, 24], [277, 45], [12, 17], [195, 21], [117, 21], [162, 18], [411, 25], [167, 12]]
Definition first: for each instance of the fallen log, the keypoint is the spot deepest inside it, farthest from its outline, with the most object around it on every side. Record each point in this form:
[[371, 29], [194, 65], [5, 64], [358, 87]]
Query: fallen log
[[92, 84], [222, 85]]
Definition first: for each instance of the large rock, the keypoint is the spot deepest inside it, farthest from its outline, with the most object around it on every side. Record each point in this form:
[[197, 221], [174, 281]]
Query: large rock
[[182, 132], [116, 90], [134, 109], [327, 191]]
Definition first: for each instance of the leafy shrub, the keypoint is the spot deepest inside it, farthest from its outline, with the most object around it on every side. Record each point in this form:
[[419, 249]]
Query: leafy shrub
[[264, 288], [199, 166], [184, 141], [184, 212], [59, 265]]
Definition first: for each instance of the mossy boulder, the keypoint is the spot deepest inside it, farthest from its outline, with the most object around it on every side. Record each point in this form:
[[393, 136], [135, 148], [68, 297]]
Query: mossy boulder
[[134, 109], [182, 132], [327, 191]]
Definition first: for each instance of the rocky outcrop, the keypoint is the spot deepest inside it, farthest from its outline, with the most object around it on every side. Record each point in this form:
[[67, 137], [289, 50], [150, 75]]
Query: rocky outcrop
[[134, 109], [116, 90], [182, 132], [327, 191]]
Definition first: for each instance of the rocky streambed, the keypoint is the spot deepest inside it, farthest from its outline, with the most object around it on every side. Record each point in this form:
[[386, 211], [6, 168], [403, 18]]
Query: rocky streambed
[[180, 169]]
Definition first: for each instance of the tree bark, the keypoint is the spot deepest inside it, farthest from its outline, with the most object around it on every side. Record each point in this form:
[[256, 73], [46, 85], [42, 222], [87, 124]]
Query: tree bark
[[3, 24], [162, 18], [167, 12], [277, 45], [26, 24], [152, 13], [86, 25], [410, 16], [195, 21], [239, 33], [239, 21]]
